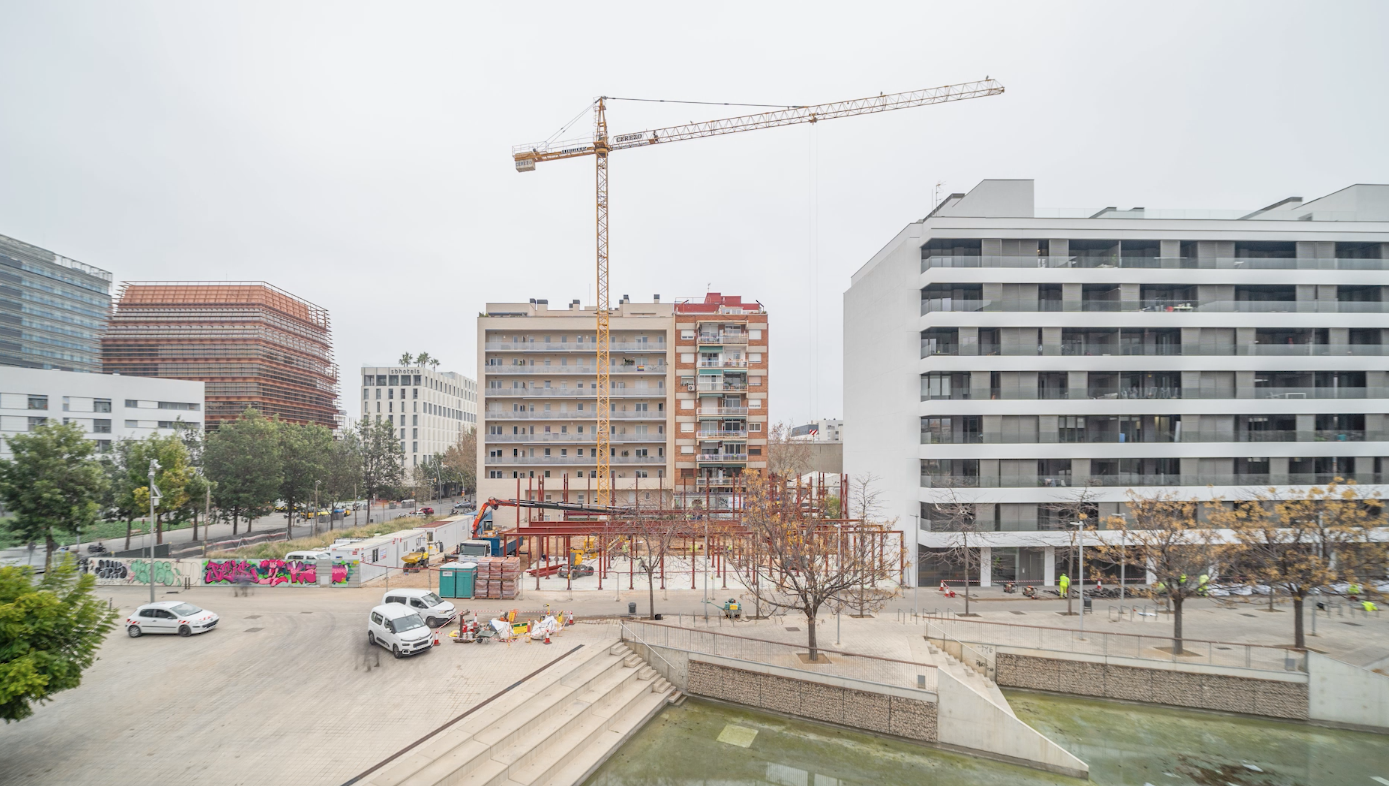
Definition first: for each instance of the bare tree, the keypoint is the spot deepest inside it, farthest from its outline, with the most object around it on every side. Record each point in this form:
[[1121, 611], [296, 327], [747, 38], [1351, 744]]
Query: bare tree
[[1305, 540], [1075, 512], [793, 560], [787, 457], [655, 532], [952, 514], [1179, 548]]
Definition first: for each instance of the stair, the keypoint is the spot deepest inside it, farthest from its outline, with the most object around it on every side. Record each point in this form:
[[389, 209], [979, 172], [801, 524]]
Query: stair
[[555, 731], [971, 678]]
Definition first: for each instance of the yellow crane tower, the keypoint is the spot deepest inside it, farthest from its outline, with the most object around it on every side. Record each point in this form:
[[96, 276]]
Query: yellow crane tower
[[600, 145]]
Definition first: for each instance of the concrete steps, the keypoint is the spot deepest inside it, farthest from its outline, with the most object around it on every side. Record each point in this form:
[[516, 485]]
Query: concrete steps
[[541, 733], [971, 678]]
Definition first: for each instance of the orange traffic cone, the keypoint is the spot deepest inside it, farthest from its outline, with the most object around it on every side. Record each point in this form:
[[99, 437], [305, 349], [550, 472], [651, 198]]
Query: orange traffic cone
[[547, 635], [436, 637]]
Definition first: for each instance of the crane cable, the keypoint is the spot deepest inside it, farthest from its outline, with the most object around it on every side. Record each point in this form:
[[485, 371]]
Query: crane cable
[[705, 103]]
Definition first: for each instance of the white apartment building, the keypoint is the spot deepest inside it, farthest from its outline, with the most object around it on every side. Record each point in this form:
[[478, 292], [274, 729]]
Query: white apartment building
[[1013, 360], [539, 379], [821, 430], [429, 409], [108, 407]]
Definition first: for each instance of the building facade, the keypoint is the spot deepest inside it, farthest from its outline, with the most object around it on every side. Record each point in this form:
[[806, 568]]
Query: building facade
[[53, 310], [429, 409], [722, 396], [1019, 364], [822, 430], [108, 407], [538, 379], [252, 344]]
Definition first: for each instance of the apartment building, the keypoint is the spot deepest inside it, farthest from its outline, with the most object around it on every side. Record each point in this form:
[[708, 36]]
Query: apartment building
[[253, 344], [429, 409], [52, 309], [538, 376], [722, 396], [1018, 362], [108, 407]]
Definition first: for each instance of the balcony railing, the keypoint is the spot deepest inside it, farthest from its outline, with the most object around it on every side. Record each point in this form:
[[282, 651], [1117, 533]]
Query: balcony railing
[[1164, 305], [723, 338], [726, 363], [1154, 393], [1163, 263], [586, 393], [723, 434], [1198, 349], [722, 456], [716, 387], [1131, 480], [586, 346], [575, 460], [570, 415], [1098, 436], [740, 412]]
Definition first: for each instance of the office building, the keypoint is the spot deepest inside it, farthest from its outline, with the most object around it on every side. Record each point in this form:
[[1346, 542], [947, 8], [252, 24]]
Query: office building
[[722, 399], [254, 345], [1019, 362], [108, 407], [52, 309], [429, 409]]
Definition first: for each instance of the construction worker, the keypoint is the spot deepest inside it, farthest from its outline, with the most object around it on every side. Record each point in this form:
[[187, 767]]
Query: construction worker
[[1065, 583], [1201, 587], [1368, 606]]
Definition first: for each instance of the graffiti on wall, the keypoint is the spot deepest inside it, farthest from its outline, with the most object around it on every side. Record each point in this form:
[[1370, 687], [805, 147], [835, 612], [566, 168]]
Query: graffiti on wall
[[114, 571], [272, 572]]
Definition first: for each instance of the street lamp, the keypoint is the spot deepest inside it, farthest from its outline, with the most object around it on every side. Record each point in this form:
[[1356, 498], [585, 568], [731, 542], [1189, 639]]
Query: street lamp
[[1080, 573], [155, 496], [313, 529], [916, 568]]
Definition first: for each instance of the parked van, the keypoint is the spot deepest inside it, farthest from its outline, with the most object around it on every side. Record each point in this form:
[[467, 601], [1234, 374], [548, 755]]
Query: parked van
[[398, 629], [307, 556], [435, 610]]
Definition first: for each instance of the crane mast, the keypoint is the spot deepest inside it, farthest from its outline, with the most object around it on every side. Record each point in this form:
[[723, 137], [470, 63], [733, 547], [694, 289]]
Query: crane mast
[[600, 146]]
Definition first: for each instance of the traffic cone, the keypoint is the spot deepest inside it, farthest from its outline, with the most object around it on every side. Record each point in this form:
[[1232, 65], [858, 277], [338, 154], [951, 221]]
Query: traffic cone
[[436, 637], [547, 635]]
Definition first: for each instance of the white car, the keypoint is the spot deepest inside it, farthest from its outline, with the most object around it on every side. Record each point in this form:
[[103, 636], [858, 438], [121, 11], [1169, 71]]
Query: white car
[[169, 616], [435, 610], [398, 629]]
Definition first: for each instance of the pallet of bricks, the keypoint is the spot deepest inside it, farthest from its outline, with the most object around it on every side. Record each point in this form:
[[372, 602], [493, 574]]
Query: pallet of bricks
[[497, 577]]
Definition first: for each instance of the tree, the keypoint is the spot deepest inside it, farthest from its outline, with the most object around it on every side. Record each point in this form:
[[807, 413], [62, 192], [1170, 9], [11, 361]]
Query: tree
[[423, 359], [52, 484], [198, 485], [1305, 540], [407, 359], [652, 539], [172, 478], [1073, 513], [434, 363], [49, 634], [1167, 533], [794, 561], [383, 463], [119, 498], [952, 514], [787, 457], [461, 460], [344, 469], [304, 450], [242, 458]]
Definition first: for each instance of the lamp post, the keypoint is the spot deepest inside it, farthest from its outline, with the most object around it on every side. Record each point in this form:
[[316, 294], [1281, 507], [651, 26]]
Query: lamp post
[[313, 529], [1080, 571], [154, 497], [916, 569]]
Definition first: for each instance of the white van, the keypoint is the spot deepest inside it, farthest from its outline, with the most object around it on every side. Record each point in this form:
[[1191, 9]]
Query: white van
[[307, 556], [398, 629], [435, 610]]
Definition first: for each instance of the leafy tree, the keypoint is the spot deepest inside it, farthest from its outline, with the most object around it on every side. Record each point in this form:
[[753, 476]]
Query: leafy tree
[[1179, 548], [434, 363], [304, 451], [242, 458], [344, 469], [173, 477], [383, 463], [407, 359], [52, 485], [49, 633], [461, 460], [1303, 541], [118, 501], [423, 359]]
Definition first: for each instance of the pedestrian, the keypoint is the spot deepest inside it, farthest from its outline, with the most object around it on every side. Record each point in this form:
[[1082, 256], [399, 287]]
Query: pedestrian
[[1065, 583], [1369, 606]]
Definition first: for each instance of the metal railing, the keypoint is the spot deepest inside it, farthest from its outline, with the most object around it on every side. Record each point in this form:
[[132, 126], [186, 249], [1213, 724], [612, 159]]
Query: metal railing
[[1151, 306], [1168, 263], [1125, 645], [1134, 479], [898, 674], [1145, 437], [1029, 393]]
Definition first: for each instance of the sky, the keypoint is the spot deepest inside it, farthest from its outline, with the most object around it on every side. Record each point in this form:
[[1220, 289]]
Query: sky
[[358, 154]]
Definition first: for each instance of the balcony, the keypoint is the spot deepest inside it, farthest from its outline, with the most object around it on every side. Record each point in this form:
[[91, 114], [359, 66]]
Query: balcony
[[553, 370], [719, 387], [566, 460], [551, 437], [741, 434], [1133, 480], [723, 338], [569, 415], [722, 457], [587, 346], [1164, 263], [585, 393], [1102, 436], [737, 412], [1198, 349], [726, 363]]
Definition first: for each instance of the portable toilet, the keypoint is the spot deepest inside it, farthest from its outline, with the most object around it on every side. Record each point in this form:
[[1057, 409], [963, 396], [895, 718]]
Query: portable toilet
[[456, 580]]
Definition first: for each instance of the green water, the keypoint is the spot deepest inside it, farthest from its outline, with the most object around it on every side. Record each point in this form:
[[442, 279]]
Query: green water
[[1124, 744]]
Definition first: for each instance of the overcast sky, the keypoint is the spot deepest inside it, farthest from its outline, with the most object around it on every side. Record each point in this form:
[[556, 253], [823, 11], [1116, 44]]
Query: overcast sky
[[358, 154]]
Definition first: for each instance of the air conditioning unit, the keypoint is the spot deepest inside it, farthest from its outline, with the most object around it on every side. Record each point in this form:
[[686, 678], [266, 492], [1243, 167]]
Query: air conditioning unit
[[690, 388]]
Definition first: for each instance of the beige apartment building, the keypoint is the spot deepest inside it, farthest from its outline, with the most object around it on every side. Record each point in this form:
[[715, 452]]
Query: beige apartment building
[[705, 363]]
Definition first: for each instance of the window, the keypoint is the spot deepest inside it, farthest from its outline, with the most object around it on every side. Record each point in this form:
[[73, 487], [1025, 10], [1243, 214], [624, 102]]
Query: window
[[394, 380], [754, 451], [101, 405], [755, 403], [366, 394], [414, 420], [390, 393], [414, 433], [101, 426], [686, 357], [417, 390], [494, 474], [36, 422], [179, 405], [132, 424], [686, 403], [414, 447], [686, 449], [641, 473], [754, 357], [38, 402], [103, 445], [754, 427], [687, 427], [166, 424], [755, 334], [367, 380]]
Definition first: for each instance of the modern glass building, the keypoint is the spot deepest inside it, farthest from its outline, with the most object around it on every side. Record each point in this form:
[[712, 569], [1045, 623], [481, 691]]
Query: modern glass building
[[53, 310]]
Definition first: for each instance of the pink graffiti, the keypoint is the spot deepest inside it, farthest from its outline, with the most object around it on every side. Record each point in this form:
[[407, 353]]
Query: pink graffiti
[[270, 572]]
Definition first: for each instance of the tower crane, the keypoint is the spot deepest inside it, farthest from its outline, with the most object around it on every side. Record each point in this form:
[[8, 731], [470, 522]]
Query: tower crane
[[601, 145]]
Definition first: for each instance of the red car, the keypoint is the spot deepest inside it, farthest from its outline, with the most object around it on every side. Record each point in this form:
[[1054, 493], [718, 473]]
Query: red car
[[427, 511]]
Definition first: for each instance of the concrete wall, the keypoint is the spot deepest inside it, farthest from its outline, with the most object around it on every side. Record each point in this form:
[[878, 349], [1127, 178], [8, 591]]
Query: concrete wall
[[1207, 688], [820, 700], [120, 572], [1347, 695], [968, 720]]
